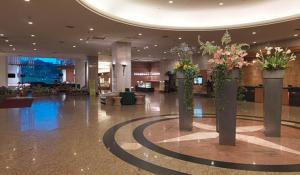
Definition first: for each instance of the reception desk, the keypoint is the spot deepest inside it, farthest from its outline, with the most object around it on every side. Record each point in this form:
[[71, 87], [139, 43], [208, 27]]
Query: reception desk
[[259, 97]]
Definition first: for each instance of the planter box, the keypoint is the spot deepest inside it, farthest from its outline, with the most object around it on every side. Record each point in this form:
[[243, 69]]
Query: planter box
[[273, 83], [226, 106], [185, 116]]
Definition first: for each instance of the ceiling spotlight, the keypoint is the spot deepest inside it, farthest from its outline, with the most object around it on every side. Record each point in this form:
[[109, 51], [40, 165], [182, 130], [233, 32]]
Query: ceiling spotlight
[[11, 45], [221, 3], [179, 38], [35, 49], [34, 44], [74, 46], [171, 2], [146, 47], [6, 40], [140, 34], [32, 35], [296, 35], [14, 49], [27, 0], [254, 42], [30, 22], [138, 50], [91, 29], [253, 33], [155, 45], [1, 34], [81, 39], [165, 52]]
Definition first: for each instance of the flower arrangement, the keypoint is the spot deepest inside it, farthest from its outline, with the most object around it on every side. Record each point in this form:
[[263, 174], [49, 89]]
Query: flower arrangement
[[225, 58], [275, 58], [188, 69]]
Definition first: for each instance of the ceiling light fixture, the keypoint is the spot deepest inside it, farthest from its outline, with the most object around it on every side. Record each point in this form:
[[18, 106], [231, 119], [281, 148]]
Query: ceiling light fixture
[[30, 22], [1, 34], [254, 42], [253, 33], [14, 49], [34, 44], [81, 39], [27, 0], [35, 49], [171, 2], [138, 50], [74, 46], [11, 45], [221, 3], [140, 34], [179, 38], [91, 29], [32, 35], [295, 35], [165, 52], [155, 45], [6, 40]]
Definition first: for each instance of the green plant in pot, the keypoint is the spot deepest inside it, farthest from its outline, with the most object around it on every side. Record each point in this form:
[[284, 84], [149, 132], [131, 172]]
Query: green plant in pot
[[185, 71], [225, 63], [273, 62]]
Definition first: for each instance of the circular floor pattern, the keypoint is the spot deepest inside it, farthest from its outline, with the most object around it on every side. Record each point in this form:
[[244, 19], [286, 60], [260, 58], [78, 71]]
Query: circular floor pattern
[[253, 150]]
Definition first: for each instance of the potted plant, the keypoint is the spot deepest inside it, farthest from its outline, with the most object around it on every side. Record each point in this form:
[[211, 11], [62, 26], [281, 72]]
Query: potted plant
[[185, 71], [273, 62], [227, 60]]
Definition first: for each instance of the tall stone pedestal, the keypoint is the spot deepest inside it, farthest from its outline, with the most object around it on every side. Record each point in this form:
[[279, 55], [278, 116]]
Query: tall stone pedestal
[[226, 110], [185, 115], [273, 82]]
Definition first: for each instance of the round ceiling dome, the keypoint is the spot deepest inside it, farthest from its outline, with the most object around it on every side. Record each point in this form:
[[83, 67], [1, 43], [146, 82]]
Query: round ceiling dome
[[195, 14]]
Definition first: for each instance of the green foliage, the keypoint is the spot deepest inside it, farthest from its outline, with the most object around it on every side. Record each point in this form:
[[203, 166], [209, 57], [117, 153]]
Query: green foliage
[[226, 39], [189, 71], [275, 58]]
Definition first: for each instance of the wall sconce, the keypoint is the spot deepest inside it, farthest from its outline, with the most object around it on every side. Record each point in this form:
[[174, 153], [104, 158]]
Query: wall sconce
[[124, 66]]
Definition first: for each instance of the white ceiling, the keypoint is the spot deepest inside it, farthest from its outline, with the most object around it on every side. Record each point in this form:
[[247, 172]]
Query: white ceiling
[[195, 14], [50, 18]]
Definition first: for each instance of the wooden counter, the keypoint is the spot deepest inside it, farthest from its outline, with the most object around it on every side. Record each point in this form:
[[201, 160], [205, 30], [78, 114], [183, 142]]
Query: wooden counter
[[259, 97]]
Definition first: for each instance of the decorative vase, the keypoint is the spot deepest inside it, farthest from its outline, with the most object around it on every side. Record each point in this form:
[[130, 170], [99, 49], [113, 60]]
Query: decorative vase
[[272, 90], [185, 115], [226, 107]]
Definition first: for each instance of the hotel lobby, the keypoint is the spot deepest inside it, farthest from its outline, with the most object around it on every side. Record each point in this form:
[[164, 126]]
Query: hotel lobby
[[128, 87]]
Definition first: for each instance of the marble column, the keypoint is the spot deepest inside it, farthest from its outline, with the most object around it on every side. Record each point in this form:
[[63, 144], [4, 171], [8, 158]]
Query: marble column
[[80, 72], [3, 70], [121, 59], [93, 74]]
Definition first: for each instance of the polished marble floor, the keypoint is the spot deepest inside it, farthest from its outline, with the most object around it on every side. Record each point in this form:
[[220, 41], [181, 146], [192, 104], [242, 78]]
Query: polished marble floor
[[64, 135]]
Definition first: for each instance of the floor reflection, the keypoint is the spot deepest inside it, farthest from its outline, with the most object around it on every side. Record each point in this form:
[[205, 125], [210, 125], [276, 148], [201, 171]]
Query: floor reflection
[[42, 116]]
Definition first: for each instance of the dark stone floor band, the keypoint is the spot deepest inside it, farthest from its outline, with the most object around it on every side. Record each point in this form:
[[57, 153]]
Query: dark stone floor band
[[112, 146]]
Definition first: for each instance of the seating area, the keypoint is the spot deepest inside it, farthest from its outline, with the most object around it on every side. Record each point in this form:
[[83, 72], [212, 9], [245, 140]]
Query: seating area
[[122, 98]]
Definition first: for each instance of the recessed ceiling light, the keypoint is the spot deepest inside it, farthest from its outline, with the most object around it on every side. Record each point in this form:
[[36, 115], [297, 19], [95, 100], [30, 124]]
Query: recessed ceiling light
[[11, 45], [155, 45], [1, 34], [253, 33], [80, 39], [30, 22], [35, 49], [179, 38], [27, 0], [295, 35], [254, 42], [165, 52], [146, 47], [140, 34], [34, 44], [221, 3], [14, 49], [91, 29], [171, 2], [6, 40], [32, 35], [74, 46], [138, 50]]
